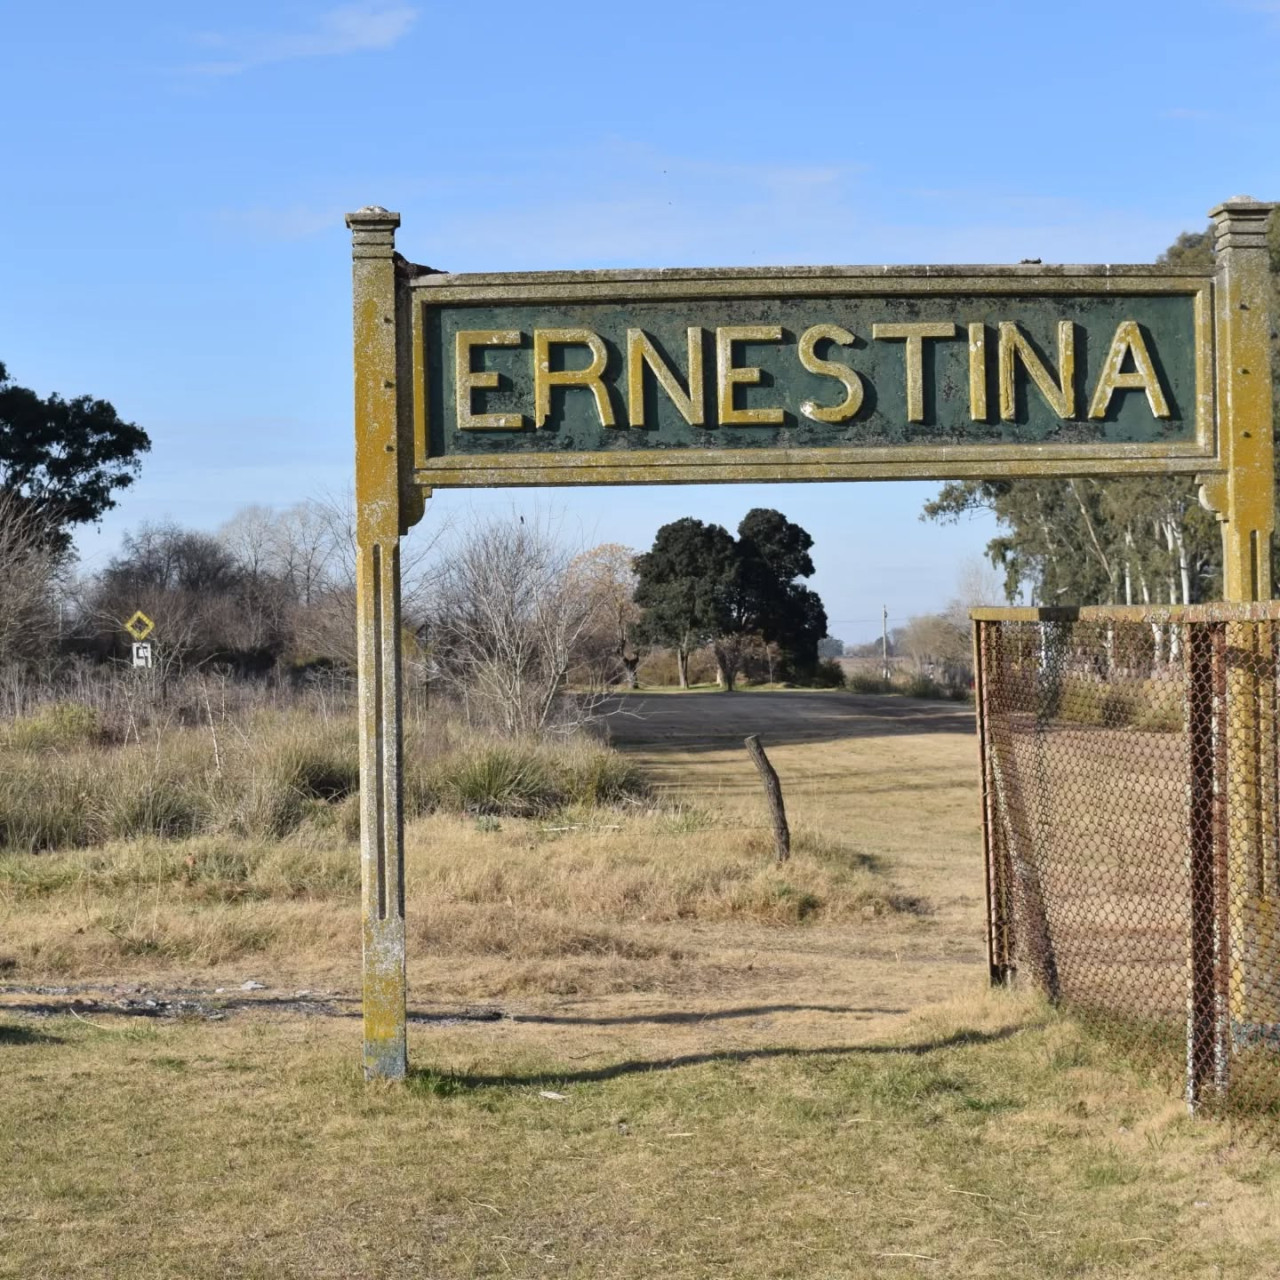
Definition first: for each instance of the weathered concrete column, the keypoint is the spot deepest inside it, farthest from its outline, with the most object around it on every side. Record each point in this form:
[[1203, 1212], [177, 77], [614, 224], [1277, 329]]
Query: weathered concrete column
[[1245, 496], [378, 528], [1249, 906]]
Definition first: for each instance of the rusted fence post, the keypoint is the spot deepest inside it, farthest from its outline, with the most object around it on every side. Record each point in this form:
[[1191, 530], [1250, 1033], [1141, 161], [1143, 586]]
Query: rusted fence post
[[995, 855], [773, 790], [1208, 1042], [1016, 903]]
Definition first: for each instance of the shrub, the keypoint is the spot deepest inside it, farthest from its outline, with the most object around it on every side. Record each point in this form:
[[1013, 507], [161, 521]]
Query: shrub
[[922, 686], [1119, 705], [500, 780], [659, 669], [1150, 705], [862, 683], [597, 776], [1160, 714], [60, 725], [1080, 701], [828, 674]]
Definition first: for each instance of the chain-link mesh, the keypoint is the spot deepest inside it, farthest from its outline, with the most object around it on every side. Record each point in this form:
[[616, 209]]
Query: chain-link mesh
[[1132, 824]]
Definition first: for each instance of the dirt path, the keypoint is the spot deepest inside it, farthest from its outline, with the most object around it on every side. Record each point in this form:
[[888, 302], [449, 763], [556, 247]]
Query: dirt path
[[896, 775], [708, 721]]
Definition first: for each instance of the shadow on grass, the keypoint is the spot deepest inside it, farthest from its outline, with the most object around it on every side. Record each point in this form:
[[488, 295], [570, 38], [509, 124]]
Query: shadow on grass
[[448, 1082], [338, 1006], [212, 1007], [26, 1035], [683, 1017]]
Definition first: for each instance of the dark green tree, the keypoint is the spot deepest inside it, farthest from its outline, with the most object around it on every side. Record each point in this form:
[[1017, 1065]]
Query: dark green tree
[[1108, 541], [684, 585], [698, 585], [64, 459], [772, 553]]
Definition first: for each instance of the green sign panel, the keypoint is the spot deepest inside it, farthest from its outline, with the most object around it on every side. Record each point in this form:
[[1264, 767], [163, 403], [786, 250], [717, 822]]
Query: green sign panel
[[514, 388], [795, 373]]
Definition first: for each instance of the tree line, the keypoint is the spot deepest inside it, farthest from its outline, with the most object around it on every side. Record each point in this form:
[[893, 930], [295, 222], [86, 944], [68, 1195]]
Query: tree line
[[501, 615], [1094, 540]]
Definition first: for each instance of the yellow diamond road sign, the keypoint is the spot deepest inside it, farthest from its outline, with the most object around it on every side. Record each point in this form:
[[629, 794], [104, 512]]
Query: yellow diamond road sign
[[139, 626]]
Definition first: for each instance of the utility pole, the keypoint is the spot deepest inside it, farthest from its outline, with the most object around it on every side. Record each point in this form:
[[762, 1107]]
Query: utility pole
[[884, 639]]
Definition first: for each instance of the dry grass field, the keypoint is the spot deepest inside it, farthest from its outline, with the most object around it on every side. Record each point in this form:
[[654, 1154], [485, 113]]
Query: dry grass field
[[639, 1047]]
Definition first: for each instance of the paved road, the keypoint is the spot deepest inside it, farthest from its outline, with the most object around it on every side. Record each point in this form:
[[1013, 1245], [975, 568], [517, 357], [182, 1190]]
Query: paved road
[[710, 721]]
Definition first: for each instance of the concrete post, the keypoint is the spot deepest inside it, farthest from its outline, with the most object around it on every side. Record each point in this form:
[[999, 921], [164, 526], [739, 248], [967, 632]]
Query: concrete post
[[378, 528], [1245, 421]]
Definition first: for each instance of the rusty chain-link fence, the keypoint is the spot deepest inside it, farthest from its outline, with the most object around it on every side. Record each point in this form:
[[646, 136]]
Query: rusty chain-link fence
[[1131, 802]]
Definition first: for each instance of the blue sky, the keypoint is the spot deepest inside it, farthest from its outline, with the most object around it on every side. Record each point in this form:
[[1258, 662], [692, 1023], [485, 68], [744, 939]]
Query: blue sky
[[175, 178]]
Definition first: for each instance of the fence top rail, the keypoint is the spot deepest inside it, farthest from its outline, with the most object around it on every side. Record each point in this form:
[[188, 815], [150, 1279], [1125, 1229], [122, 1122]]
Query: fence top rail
[[1216, 611]]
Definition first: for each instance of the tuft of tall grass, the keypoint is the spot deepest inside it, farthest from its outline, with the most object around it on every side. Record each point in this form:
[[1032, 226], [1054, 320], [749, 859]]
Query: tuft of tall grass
[[640, 870], [596, 776], [206, 868], [499, 779], [275, 775], [860, 682], [923, 686], [54, 726]]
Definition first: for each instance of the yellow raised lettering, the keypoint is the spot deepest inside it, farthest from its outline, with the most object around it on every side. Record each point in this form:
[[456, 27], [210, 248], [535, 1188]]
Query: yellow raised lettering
[[729, 376], [1128, 341], [466, 380], [914, 334], [544, 377], [1060, 396], [641, 352], [978, 372], [849, 379]]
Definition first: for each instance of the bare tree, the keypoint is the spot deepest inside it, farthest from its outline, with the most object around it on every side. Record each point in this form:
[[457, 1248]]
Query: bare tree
[[189, 584], [264, 599], [315, 552], [607, 576], [508, 622], [934, 640], [299, 568], [29, 571], [941, 644], [250, 537], [313, 548]]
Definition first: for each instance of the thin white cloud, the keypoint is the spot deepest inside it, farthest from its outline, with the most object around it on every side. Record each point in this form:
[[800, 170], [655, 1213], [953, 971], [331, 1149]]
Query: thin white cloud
[[622, 205], [349, 28], [1267, 9], [749, 232], [295, 222], [619, 207]]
